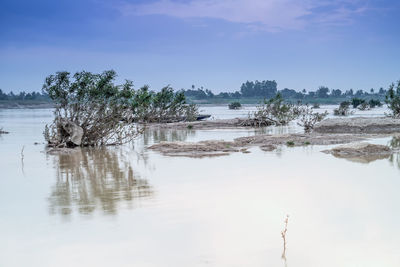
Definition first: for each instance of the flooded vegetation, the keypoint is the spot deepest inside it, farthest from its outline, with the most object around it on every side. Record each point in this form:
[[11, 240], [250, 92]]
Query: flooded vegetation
[[199, 133]]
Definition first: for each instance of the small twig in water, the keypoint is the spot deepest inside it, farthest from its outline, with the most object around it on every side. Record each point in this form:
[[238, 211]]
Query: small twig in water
[[283, 234], [22, 159]]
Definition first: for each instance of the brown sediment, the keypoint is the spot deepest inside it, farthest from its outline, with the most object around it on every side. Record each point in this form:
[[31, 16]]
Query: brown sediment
[[199, 149], [327, 132], [201, 125], [360, 149], [264, 142], [359, 125], [356, 125]]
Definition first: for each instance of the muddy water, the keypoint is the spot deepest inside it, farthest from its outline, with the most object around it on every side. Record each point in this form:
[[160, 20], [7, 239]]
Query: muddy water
[[127, 206]]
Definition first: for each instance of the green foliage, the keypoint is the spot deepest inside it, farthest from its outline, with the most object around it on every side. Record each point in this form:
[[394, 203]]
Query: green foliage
[[105, 111], [322, 92], [374, 103], [266, 89], [316, 105], [290, 143], [163, 106], [93, 103], [357, 101], [191, 112], [276, 111], [234, 105], [393, 99], [343, 110], [364, 106], [308, 118], [272, 112]]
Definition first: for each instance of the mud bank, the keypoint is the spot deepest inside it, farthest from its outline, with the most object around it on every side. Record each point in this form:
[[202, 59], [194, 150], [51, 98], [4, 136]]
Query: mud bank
[[359, 125], [210, 148], [361, 152], [264, 142], [356, 125], [201, 125]]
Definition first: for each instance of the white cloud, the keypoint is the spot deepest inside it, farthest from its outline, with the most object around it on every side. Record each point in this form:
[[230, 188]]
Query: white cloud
[[270, 15]]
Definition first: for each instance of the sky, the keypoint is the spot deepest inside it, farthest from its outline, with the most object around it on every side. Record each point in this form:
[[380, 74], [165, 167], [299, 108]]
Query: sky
[[217, 44]]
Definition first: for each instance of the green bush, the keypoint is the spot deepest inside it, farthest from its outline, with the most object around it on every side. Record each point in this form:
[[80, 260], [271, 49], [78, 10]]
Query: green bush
[[393, 99], [374, 103], [357, 101], [290, 143], [235, 105], [343, 109]]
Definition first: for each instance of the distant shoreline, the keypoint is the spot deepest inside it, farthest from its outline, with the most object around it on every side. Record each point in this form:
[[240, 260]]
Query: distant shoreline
[[25, 105]]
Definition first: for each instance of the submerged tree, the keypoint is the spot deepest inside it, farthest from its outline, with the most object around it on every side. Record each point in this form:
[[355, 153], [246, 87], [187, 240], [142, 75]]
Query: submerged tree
[[163, 106], [90, 110], [2, 131], [308, 118], [393, 99], [343, 109], [272, 112], [234, 105]]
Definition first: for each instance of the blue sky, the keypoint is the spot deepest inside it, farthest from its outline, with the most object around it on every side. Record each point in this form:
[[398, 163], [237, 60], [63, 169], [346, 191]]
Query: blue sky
[[217, 44]]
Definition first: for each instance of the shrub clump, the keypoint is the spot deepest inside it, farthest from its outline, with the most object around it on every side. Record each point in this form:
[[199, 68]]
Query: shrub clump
[[355, 102], [164, 106], [343, 109], [235, 105], [276, 112], [316, 105], [290, 143], [362, 104], [374, 103], [308, 118], [90, 110], [273, 112], [393, 99], [2, 131]]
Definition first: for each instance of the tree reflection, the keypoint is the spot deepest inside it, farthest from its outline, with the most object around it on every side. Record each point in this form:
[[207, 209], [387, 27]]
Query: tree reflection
[[395, 145], [89, 179], [156, 135]]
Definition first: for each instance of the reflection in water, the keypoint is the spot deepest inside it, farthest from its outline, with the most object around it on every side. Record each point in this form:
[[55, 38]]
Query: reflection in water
[[365, 158], [88, 179], [283, 234], [156, 135], [394, 158], [395, 145]]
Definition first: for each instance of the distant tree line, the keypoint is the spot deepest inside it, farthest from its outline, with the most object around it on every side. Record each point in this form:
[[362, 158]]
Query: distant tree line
[[22, 96], [268, 89], [250, 89]]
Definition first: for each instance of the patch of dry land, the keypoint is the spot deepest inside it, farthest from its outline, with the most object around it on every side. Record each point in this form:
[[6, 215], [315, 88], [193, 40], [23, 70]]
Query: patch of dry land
[[328, 132], [202, 125], [359, 125], [361, 152]]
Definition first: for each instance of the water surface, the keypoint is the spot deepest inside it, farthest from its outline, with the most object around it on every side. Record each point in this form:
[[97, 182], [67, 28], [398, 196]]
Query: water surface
[[127, 206]]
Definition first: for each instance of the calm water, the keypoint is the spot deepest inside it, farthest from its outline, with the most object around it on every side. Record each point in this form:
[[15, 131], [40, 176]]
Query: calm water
[[127, 206]]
